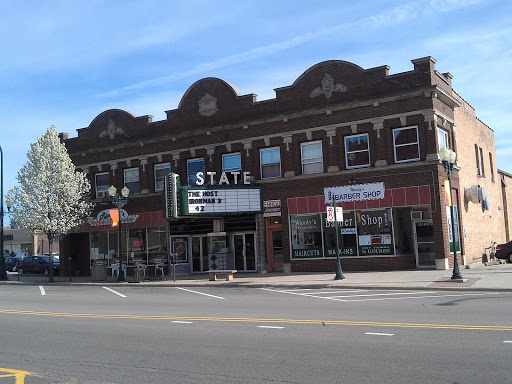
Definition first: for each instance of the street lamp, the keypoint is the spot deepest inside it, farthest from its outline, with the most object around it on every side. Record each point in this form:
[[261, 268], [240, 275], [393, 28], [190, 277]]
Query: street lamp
[[3, 274], [119, 201], [448, 157]]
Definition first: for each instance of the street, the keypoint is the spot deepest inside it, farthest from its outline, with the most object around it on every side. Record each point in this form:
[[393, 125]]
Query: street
[[134, 334]]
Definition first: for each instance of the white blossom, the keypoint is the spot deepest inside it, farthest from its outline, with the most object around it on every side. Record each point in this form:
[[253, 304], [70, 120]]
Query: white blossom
[[51, 195]]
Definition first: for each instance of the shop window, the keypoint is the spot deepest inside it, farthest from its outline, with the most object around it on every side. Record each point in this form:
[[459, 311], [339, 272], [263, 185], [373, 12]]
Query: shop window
[[194, 166], [102, 182], [347, 238], [306, 236], [374, 230], [402, 226], [442, 139], [231, 162], [270, 162], [357, 151], [161, 170], [137, 245], [312, 157], [406, 144], [157, 243], [99, 245], [131, 180]]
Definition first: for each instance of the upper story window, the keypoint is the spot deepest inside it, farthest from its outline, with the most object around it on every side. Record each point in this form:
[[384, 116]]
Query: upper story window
[[102, 182], [270, 163], [442, 139], [231, 162], [406, 144], [482, 161], [477, 160], [161, 170], [131, 180], [194, 166], [357, 151], [491, 166], [312, 157]]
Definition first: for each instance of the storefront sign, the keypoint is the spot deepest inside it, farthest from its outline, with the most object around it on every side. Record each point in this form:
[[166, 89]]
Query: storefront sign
[[103, 218], [207, 201], [244, 177], [272, 207], [373, 191]]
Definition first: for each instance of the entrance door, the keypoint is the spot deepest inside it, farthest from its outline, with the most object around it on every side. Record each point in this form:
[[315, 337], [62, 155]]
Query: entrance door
[[199, 252], [424, 243], [274, 237], [244, 251]]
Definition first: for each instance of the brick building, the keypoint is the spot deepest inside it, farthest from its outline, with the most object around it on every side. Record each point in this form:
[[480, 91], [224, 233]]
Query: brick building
[[370, 136]]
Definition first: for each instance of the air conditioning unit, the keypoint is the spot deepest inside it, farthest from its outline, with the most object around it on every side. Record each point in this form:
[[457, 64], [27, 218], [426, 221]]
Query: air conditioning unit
[[416, 215], [101, 194]]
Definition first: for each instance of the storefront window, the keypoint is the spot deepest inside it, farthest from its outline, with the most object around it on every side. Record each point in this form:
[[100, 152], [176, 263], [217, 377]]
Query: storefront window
[[137, 244], [306, 236], [99, 245], [402, 226], [157, 244], [374, 229], [347, 238]]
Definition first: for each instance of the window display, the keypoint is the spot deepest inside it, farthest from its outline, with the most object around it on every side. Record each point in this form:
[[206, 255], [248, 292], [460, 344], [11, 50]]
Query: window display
[[374, 230], [306, 236]]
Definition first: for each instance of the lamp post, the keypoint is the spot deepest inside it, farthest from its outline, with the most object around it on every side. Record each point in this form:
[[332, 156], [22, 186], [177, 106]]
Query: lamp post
[[119, 201], [3, 274], [448, 157]]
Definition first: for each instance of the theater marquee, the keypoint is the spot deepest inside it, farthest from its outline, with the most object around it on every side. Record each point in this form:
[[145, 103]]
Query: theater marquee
[[198, 201]]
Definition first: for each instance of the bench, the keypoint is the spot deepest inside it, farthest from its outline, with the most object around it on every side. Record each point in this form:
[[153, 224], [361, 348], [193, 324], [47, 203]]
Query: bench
[[228, 273]]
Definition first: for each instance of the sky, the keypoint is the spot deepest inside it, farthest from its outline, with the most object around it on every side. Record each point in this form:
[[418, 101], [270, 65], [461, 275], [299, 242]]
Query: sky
[[65, 62]]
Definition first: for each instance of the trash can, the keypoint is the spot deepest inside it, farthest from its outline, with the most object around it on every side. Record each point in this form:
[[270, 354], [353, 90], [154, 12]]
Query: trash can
[[99, 270]]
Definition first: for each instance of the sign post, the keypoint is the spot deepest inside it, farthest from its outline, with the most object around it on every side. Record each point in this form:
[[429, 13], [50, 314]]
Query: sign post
[[336, 213]]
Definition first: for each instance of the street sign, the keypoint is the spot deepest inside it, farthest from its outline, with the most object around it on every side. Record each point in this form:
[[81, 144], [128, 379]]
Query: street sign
[[330, 214]]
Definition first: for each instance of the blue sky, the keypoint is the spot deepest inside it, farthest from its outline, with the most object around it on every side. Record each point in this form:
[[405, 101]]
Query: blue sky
[[64, 62]]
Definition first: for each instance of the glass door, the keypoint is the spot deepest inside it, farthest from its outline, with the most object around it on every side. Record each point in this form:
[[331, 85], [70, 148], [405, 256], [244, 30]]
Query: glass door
[[424, 243], [244, 251], [199, 254]]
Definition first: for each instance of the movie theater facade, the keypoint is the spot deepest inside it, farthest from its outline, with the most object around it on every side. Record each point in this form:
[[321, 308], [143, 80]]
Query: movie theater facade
[[257, 177]]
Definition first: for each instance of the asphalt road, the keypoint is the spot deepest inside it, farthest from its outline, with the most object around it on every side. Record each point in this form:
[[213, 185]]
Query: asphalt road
[[79, 334]]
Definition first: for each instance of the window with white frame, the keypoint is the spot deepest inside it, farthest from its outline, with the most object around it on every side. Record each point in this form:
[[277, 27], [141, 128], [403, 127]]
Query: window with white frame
[[102, 182], [131, 180], [357, 151], [312, 157], [161, 170], [406, 144], [231, 162], [270, 163], [194, 166], [442, 139]]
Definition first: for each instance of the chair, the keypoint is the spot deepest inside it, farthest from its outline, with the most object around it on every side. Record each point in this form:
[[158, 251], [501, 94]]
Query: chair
[[141, 268], [115, 269], [159, 267]]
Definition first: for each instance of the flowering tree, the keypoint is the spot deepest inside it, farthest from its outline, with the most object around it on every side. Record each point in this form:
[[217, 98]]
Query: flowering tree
[[50, 195]]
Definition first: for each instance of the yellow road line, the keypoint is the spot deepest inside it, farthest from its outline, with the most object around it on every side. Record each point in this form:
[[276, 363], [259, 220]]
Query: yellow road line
[[257, 320], [18, 375]]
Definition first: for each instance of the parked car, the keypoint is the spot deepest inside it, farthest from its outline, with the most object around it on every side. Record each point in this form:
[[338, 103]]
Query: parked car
[[10, 263], [504, 251], [38, 264]]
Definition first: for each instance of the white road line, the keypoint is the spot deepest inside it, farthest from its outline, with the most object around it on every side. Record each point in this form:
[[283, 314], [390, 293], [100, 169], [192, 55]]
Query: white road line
[[43, 293], [347, 298], [508, 341], [383, 294], [423, 297], [200, 293], [269, 326], [181, 322], [117, 293], [379, 334]]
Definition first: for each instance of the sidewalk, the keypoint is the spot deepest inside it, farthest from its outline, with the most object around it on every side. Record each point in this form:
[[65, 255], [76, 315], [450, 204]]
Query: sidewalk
[[496, 277]]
